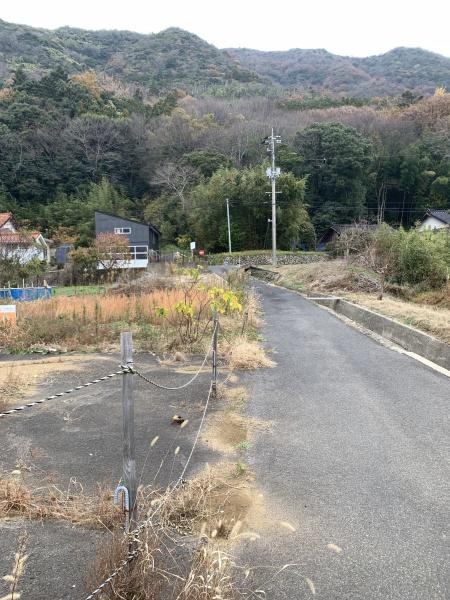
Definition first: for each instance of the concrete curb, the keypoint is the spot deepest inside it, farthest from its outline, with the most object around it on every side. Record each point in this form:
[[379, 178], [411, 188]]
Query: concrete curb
[[405, 336]]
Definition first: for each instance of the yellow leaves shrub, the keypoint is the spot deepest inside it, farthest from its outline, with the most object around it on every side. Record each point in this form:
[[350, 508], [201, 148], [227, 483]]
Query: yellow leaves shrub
[[226, 300]]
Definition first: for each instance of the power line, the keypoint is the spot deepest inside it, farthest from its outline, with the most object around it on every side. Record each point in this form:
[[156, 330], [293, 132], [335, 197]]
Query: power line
[[285, 201]]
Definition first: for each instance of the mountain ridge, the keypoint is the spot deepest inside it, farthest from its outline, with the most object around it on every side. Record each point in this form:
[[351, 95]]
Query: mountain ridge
[[178, 58], [383, 74]]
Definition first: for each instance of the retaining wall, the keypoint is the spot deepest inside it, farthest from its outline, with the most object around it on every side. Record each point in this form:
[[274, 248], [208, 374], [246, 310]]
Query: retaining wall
[[264, 274], [408, 338], [266, 259]]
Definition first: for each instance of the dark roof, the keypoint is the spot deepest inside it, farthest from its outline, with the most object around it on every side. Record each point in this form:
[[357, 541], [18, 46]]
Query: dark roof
[[340, 227], [103, 212], [441, 215]]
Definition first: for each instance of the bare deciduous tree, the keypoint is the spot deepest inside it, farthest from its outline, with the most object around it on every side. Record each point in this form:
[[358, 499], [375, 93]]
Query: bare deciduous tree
[[353, 240], [98, 140], [176, 177], [111, 250], [379, 255]]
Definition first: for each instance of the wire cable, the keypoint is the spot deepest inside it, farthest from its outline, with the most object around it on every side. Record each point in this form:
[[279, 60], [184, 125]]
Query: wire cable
[[184, 385]]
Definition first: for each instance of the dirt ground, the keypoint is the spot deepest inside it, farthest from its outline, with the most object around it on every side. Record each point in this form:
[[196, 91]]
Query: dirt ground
[[75, 442], [79, 437]]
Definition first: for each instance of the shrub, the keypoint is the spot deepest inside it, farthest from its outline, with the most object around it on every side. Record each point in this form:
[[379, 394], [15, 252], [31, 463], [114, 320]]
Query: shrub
[[422, 258]]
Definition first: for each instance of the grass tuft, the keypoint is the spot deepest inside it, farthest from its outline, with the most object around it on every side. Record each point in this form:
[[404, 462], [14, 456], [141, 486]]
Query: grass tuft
[[72, 504], [243, 353]]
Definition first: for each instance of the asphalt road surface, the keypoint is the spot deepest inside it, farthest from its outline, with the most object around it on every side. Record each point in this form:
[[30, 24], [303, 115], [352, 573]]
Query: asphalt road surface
[[357, 462]]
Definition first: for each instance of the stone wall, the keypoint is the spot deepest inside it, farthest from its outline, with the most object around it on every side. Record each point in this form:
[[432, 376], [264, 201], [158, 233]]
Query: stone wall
[[264, 274], [266, 259]]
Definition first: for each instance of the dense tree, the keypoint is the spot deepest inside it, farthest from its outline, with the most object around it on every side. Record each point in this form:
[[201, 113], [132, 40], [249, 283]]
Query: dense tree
[[250, 210], [73, 143], [338, 159]]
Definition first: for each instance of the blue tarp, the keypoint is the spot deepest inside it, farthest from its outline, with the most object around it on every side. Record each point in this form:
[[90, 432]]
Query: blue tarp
[[25, 294]]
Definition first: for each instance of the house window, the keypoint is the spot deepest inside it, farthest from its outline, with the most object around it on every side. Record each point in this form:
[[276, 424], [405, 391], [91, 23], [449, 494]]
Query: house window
[[122, 230], [138, 252]]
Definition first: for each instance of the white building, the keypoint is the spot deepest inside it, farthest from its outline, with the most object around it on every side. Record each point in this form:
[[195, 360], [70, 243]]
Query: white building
[[22, 245], [435, 219]]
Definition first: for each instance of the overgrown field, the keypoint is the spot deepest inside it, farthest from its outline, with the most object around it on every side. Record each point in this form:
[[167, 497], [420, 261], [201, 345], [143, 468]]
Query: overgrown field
[[173, 312]]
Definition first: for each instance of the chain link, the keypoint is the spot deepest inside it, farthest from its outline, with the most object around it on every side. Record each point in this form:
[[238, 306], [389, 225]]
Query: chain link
[[178, 387], [12, 411], [131, 556]]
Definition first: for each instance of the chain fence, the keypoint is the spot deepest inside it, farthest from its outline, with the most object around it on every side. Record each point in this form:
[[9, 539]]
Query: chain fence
[[129, 369], [17, 409]]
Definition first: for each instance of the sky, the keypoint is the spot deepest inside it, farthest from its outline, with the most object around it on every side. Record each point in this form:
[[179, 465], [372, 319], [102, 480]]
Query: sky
[[346, 27]]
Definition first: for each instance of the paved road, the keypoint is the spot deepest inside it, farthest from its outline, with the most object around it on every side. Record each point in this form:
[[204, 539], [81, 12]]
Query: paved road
[[358, 458]]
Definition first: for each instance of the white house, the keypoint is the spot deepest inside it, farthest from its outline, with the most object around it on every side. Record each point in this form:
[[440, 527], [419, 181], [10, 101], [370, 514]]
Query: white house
[[435, 219], [22, 245]]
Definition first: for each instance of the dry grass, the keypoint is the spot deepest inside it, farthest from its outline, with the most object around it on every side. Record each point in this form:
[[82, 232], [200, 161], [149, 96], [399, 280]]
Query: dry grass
[[211, 576], [427, 311], [437, 298], [435, 321], [212, 510], [214, 504], [18, 567], [243, 353], [142, 579], [72, 504], [328, 276], [204, 573], [175, 318]]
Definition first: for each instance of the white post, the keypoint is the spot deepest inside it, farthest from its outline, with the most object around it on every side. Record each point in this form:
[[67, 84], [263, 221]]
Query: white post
[[229, 227]]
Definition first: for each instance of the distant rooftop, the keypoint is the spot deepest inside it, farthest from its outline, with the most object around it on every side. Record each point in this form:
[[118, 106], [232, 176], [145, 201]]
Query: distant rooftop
[[4, 218], [441, 215]]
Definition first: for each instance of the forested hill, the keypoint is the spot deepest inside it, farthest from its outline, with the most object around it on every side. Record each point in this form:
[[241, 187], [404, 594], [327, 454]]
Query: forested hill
[[164, 127], [386, 74], [176, 58], [157, 62]]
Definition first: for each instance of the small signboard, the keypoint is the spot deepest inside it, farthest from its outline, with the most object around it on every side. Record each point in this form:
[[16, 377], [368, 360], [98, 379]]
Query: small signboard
[[192, 245], [8, 312]]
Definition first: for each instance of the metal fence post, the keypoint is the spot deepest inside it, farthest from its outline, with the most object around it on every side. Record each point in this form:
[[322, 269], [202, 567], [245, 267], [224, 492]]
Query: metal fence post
[[215, 334], [129, 451]]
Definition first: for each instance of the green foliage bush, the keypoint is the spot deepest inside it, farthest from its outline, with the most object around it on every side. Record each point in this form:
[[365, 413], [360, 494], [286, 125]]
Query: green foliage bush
[[422, 258]]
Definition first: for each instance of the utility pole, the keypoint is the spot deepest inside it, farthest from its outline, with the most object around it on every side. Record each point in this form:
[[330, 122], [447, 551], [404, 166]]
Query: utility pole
[[273, 172], [229, 227]]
